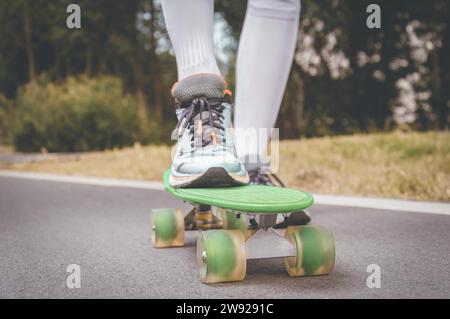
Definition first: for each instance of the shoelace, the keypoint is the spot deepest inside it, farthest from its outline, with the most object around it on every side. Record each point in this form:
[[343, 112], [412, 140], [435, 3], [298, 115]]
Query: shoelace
[[214, 107], [256, 177]]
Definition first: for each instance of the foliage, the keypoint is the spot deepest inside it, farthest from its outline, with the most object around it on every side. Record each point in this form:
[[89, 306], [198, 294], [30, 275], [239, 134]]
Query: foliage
[[79, 114], [346, 78]]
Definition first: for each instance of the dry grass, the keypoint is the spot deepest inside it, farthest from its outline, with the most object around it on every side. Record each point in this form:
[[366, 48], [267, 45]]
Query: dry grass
[[138, 162], [401, 165], [412, 165]]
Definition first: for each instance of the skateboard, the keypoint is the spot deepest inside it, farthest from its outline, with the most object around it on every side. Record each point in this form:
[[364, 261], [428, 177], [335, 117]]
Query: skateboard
[[239, 223]]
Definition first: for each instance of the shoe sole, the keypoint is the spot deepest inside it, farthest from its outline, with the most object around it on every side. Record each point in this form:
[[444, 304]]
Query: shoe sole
[[295, 219], [213, 177]]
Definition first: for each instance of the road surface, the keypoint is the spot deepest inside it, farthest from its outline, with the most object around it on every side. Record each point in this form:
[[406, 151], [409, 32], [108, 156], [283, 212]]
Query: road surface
[[47, 225]]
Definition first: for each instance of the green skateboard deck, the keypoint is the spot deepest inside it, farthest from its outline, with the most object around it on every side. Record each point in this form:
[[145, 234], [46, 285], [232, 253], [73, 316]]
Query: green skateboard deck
[[246, 198]]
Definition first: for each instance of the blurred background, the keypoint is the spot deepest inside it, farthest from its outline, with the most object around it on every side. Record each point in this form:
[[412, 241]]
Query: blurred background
[[107, 85]]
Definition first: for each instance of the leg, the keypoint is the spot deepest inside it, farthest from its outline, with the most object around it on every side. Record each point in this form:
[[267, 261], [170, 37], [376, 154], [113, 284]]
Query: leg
[[265, 55], [266, 51], [190, 27], [204, 156]]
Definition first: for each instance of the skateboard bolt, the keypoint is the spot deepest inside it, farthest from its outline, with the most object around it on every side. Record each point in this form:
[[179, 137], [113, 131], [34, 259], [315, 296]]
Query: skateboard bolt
[[204, 257]]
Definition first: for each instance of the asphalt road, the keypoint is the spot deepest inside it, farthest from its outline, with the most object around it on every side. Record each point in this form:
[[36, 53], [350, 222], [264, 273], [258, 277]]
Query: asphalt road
[[46, 225]]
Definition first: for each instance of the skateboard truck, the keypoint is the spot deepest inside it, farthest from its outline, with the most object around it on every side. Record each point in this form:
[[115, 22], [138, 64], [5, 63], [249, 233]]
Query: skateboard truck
[[268, 243], [201, 218]]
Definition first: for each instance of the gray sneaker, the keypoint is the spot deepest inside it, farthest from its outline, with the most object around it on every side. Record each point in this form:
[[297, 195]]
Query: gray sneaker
[[205, 155]]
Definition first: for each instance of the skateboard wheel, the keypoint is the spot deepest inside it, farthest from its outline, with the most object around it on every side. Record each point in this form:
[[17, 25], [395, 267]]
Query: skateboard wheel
[[314, 246], [167, 227], [230, 220], [221, 255]]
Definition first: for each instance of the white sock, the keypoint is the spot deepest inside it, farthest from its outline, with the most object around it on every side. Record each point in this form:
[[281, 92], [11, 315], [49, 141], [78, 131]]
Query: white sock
[[266, 51], [190, 27]]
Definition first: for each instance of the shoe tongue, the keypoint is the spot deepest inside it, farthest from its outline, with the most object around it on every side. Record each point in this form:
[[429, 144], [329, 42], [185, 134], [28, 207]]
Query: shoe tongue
[[198, 85]]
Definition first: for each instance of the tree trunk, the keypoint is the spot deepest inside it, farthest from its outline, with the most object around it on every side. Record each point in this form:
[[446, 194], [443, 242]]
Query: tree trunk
[[116, 67], [29, 43], [387, 89], [68, 66], [299, 108], [357, 38], [140, 95], [57, 64], [444, 98], [155, 70], [88, 65]]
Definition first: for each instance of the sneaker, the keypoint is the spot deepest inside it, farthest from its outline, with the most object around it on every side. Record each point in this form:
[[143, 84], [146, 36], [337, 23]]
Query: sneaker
[[292, 219], [205, 155]]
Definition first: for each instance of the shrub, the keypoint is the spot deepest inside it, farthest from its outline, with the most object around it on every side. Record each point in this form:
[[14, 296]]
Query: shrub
[[79, 114]]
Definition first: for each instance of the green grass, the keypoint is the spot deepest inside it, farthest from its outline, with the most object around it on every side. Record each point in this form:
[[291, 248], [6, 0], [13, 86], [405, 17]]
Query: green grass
[[399, 165]]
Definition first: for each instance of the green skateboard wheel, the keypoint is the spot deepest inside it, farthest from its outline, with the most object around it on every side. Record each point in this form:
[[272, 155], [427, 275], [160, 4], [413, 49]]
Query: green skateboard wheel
[[167, 227], [315, 252], [221, 255]]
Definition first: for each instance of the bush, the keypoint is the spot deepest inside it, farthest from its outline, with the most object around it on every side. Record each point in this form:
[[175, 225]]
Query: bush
[[79, 114]]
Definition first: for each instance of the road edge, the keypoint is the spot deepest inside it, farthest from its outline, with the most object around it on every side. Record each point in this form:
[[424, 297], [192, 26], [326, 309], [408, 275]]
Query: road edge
[[424, 207]]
